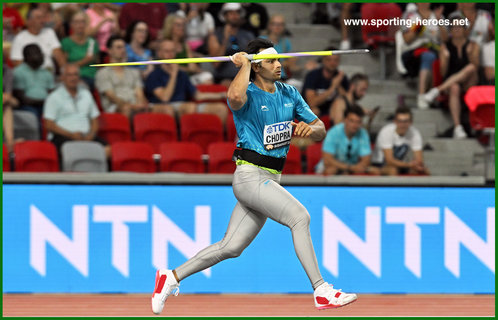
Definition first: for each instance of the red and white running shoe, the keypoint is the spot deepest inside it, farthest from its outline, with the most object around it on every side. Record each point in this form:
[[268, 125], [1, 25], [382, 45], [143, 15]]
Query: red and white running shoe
[[165, 284], [327, 297]]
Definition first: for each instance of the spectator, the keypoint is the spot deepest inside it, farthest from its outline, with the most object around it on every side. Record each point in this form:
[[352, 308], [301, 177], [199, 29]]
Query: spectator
[[80, 49], [12, 23], [276, 33], [8, 102], [32, 84], [174, 30], [102, 24], [323, 85], [200, 24], [357, 89], [228, 40], [346, 148], [395, 143], [152, 14], [171, 90], [459, 62], [45, 38], [346, 10], [256, 17], [137, 38], [51, 19], [70, 113], [419, 45], [121, 88], [480, 22], [488, 62]]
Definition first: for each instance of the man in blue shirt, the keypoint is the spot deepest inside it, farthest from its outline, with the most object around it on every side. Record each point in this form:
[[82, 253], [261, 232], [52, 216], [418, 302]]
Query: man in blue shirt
[[346, 148], [264, 111]]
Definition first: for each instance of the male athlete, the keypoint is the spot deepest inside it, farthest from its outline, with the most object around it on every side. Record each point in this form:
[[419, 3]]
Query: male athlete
[[264, 111]]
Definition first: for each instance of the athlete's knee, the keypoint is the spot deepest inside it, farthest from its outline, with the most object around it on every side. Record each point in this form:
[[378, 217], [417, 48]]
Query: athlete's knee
[[300, 217], [232, 251]]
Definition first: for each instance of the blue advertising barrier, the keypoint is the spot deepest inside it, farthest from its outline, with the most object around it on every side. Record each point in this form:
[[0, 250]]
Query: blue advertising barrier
[[79, 238]]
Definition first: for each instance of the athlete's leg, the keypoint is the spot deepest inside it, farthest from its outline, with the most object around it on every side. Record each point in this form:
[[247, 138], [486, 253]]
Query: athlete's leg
[[243, 227], [260, 191]]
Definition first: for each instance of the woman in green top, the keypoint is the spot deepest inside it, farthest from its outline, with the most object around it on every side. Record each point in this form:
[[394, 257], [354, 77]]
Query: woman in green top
[[80, 49]]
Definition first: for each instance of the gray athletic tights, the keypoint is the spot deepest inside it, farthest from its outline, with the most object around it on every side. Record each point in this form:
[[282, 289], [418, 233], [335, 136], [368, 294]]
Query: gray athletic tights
[[259, 196]]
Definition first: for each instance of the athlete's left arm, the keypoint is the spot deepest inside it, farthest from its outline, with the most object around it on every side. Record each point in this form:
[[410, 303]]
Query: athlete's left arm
[[314, 130]]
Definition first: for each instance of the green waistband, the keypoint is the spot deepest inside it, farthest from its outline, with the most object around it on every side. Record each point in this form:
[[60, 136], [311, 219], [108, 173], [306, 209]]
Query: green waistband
[[239, 162]]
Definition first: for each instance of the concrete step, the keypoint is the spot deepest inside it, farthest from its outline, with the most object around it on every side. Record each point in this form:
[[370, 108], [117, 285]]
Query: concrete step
[[447, 164], [293, 12]]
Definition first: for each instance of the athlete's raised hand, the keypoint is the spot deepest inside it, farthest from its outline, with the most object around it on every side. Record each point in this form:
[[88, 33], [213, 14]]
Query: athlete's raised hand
[[239, 59], [302, 129]]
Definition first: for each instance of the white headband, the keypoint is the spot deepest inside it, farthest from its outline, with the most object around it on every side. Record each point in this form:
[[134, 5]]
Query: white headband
[[270, 50]]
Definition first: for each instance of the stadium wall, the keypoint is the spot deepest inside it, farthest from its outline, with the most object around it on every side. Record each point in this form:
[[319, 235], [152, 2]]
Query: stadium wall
[[61, 238]]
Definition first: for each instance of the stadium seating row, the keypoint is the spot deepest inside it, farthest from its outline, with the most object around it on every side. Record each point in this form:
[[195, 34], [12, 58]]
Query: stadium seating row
[[137, 156], [155, 128]]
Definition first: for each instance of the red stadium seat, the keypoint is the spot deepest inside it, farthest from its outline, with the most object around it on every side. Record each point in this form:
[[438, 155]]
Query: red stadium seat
[[293, 162], [313, 156], [36, 156], [132, 156], [6, 161], [202, 129], [154, 128], [114, 127], [481, 102], [230, 128], [212, 88], [181, 157], [220, 157], [379, 36]]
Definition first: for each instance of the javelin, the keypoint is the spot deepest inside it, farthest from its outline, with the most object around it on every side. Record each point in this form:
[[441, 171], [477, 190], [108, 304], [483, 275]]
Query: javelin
[[227, 58]]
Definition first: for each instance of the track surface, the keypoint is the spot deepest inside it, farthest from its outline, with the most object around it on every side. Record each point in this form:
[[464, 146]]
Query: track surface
[[198, 305]]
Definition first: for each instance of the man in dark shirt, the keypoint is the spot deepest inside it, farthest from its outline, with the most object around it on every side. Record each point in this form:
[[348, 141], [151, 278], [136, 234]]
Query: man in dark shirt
[[170, 91], [228, 40], [323, 85]]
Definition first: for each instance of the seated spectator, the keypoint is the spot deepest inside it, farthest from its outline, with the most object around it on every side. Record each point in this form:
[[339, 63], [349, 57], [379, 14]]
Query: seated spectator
[[81, 49], [418, 47], [8, 103], [276, 33], [70, 113], [120, 88], [51, 19], [255, 17], [397, 143], [357, 89], [200, 24], [488, 62], [137, 38], [102, 24], [228, 40], [323, 85], [174, 30], [152, 14], [346, 148], [480, 22], [45, 38], [12, 23], [459, 62], [32, 83], [171, 91]]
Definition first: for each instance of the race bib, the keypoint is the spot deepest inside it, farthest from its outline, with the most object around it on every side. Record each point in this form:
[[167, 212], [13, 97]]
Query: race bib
[[277, 135]]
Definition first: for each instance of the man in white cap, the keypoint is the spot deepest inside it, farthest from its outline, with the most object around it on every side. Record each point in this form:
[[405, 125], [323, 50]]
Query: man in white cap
[[264, 110], [228, 40]]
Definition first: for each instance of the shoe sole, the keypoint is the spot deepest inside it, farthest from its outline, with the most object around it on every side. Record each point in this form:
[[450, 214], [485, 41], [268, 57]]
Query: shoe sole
[[158, 278], [335, 306]]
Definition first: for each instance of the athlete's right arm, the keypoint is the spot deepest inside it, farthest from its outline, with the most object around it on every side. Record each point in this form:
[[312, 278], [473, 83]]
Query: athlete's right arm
[[236, 94]]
